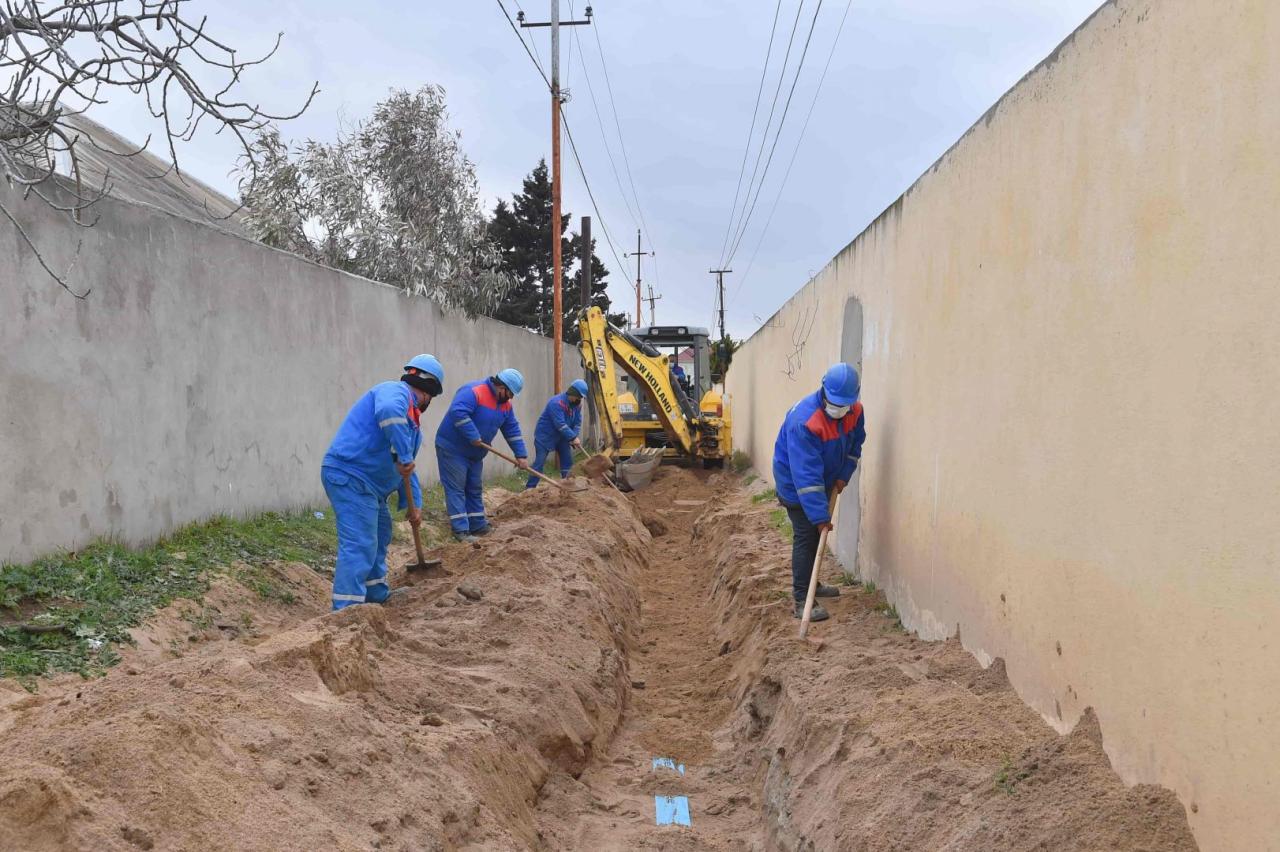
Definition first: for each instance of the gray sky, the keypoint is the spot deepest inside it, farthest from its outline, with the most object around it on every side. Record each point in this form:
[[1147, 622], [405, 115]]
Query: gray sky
[[907, 79]]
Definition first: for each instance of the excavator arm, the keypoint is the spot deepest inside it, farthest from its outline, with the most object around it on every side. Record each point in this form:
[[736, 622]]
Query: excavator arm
[[604, 349]]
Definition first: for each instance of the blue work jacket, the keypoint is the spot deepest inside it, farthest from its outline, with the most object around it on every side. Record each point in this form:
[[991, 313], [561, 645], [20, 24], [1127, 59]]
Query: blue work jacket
[[476, 415], [560, 421], [380, 429], [813, 451]]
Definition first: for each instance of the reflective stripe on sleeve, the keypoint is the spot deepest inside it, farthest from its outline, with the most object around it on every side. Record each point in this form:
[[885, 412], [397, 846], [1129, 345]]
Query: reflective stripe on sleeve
[[812, 489], [392, 421]]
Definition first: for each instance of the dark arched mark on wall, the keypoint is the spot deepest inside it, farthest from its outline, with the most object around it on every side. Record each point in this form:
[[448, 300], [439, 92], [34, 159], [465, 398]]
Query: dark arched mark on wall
[[846, 545]]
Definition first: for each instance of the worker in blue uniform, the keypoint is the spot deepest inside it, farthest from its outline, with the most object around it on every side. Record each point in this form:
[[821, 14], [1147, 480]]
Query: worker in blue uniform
[[558, 429], [816, 453], [478, 411], [373, 451]]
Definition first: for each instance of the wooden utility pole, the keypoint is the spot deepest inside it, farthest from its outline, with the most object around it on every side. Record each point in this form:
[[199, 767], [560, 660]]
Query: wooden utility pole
[[557, 262], [637, 254], [653, 317], [719, 274]]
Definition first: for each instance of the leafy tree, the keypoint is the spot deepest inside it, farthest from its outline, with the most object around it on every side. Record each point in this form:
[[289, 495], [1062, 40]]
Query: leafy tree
[[521, 232], [396, 201], [722, 352]]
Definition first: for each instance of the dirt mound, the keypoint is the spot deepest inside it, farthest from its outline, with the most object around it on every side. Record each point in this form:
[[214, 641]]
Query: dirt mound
[[431, 723], [877, 740]]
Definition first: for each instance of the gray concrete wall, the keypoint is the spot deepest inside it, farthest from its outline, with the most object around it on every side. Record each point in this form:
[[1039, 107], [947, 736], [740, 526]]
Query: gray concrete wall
[[1069, 338], [205, 374]]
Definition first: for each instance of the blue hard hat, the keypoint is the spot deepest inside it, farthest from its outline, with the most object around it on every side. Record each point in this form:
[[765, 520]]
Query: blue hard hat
[[580, 386], [428, 364], [512, 379], [841, 385]]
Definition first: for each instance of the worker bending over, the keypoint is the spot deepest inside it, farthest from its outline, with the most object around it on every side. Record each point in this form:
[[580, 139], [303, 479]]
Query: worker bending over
[[368, 459], [558, 429], [816, 453], [478, 411]]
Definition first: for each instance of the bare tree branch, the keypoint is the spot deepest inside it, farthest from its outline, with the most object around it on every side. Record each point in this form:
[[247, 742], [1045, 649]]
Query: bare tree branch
[[59, 58]]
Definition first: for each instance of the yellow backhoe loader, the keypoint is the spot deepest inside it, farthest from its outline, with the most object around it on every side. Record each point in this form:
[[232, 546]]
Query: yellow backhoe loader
[[644, 383]]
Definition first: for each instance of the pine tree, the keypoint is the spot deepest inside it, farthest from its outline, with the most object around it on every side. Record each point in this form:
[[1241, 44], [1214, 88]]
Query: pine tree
[[520, 230]]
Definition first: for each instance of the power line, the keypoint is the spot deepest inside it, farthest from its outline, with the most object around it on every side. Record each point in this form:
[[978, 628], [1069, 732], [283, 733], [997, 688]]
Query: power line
[[537, 56], [622, 142], [796, 151], [799, 67], [773, 106], [755, 113], [604, 136]]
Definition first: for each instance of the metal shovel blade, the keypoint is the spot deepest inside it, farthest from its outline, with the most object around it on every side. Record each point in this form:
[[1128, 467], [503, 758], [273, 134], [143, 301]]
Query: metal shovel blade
[[429, 569]]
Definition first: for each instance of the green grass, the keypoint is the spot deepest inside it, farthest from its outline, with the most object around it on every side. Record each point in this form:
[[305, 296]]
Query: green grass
[[764, 496], [749, 478], [95, 595], [1008, 778], [778, 518], [848, 580], [740, 462]]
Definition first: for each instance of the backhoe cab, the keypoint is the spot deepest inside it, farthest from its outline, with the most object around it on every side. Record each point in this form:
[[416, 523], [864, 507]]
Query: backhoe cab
[[645, 406]]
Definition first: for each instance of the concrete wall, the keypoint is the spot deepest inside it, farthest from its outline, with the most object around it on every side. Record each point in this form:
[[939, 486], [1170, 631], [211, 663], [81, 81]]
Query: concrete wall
[[1071, 365], [204, 374]]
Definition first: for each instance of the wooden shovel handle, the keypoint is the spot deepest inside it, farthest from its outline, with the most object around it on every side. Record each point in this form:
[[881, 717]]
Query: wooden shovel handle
[[813, 575], [417, 535], [508, 458]]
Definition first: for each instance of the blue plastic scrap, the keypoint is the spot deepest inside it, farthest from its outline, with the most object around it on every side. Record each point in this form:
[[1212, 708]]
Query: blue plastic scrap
[[671, 810]]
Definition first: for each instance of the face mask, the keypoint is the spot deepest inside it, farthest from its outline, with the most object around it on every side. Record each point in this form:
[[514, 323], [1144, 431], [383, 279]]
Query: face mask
[[835, 412], [575, 401], [423, 403]]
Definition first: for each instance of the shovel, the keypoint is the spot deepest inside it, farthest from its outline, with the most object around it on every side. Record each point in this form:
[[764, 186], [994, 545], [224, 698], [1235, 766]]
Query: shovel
[[568, 488], [813, 576], [423, 567]]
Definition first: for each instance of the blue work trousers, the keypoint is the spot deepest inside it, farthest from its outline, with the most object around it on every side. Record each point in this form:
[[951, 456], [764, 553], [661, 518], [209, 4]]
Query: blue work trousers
[[564, 453], [804, 549], [364, 531], [463, 483]]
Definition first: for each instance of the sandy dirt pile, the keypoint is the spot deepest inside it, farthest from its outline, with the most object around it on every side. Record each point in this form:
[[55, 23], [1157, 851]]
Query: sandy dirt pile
[[428, 724], [877, 740]]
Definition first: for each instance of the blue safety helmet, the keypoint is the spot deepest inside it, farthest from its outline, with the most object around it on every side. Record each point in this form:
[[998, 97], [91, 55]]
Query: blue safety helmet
[[580, 387], [840, 385], [428, 364], [512, 379]]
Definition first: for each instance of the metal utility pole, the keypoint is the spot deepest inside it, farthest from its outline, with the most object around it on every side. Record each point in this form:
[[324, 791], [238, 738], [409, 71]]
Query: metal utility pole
[[557, 267], [719, 274], [637, 254], [653, 319]]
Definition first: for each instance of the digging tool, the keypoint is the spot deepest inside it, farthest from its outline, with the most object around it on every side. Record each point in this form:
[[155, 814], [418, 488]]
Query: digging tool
[[568, 488], [813, 575], [423, 567]]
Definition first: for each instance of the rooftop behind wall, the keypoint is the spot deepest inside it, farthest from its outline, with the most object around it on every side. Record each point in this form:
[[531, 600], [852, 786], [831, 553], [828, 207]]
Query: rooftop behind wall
[[1070, 354]]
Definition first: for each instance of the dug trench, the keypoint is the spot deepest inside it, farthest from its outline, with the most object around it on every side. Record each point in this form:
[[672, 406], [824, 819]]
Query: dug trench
[[629, 660]]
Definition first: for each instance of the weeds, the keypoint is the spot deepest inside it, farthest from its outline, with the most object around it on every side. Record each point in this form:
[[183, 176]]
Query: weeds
[[740, 461], [750, 478], [65, 613], [847, 580], [782, 523], [1009, 777], [869, 587], [764, 496]]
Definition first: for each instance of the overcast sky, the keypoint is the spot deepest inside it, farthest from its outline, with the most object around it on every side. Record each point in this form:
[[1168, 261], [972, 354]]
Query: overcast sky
[[907, 78]]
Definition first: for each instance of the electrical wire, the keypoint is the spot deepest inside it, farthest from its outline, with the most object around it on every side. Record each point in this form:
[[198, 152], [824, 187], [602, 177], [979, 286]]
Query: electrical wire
[[764, 136], [799, 67], [755, 114], [569, 133], [795, 151]]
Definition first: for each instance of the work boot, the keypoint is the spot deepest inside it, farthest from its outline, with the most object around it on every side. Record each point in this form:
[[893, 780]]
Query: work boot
[[465, 538], [485, 530], [827, 591], [818, 613]]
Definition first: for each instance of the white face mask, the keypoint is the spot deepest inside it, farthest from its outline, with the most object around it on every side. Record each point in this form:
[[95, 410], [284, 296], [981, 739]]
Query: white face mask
[[835, 412]]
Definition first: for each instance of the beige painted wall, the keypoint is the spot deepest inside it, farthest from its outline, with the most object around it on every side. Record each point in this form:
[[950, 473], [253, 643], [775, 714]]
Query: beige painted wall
[[1072, 378]]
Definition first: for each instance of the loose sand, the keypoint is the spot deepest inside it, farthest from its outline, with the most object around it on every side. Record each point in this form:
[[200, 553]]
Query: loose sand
[[611, 630]]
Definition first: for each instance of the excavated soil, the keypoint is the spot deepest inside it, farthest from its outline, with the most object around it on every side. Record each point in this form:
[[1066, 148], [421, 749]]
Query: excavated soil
[[610, 631]]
